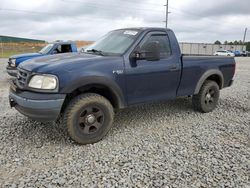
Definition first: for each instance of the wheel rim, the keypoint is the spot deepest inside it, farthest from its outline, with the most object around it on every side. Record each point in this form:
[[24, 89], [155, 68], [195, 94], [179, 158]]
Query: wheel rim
[[210, 97], [91, 119]]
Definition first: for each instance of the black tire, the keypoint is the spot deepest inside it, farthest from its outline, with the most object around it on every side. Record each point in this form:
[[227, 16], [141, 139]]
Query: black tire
[[207, 99], [88, 118]]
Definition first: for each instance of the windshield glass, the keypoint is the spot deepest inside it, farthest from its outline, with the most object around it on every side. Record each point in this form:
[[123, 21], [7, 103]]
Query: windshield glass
[[46, 49], [114, 43]]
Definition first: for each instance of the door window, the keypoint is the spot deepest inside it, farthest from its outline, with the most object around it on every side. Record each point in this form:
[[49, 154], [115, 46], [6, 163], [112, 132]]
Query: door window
[[64, 48], [164, 42]]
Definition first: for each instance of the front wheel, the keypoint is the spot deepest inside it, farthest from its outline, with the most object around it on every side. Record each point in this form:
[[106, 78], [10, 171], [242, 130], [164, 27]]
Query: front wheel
[[207, 99], [88, 118]]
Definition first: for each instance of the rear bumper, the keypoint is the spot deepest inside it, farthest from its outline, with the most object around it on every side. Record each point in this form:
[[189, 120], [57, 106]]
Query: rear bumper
[[40, 107], [12, 71]]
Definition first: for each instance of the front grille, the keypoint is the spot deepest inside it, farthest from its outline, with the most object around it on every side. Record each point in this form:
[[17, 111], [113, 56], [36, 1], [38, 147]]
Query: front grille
[[22, 78]]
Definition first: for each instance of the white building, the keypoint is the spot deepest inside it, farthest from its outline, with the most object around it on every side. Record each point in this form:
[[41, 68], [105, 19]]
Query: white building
[[207, 49]]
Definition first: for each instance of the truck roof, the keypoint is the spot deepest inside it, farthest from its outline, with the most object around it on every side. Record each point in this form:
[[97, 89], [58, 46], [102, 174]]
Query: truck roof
[[146, 28], [62, 42]]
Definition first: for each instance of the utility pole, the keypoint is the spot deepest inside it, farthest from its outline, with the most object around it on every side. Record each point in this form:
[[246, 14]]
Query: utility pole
[[167, 14], [244, 39]]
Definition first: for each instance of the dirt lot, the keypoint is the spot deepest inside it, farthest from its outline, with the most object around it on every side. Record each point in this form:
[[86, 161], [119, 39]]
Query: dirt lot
[[157, 145], [12, 48]]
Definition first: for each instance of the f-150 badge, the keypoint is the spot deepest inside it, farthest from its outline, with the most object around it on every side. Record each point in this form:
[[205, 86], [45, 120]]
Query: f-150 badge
[[118, 72]]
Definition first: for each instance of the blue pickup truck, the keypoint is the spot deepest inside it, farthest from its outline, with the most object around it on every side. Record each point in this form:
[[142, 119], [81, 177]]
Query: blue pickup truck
[[126, 67], [51, 49]]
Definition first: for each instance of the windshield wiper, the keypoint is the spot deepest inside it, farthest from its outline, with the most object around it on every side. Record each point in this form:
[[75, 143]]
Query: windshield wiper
[[96, 52]]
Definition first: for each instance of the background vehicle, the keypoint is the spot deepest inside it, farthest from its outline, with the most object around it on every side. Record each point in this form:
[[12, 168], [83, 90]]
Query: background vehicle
[[238, 53], [126, 67], [52, 48], [224, 53], [245, 54]]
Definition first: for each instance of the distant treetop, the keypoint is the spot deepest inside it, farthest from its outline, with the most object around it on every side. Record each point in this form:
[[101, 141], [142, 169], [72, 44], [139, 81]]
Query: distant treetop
[[6, 39], [217, 42]]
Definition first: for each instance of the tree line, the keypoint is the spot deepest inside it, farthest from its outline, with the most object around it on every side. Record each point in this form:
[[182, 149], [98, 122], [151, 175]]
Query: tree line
[[240, 42]]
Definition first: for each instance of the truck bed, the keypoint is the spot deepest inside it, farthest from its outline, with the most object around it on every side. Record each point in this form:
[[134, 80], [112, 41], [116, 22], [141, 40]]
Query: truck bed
[[195, 66]]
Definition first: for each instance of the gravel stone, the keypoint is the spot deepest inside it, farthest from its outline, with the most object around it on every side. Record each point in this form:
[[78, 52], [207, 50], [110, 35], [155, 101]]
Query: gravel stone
[[157, 145]]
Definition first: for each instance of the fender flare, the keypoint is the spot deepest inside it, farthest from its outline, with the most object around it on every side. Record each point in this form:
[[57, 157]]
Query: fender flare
[[97, 80], [206, 75]]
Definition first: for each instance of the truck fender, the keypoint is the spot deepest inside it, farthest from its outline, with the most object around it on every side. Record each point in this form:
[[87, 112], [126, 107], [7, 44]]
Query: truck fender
[[206, 75], [97, 80]]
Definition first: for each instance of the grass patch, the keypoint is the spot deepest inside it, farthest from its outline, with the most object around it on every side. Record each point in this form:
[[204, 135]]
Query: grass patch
[[8, 54]]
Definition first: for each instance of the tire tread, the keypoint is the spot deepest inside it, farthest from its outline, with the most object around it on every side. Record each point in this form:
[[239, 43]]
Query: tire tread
[[76, 103], [196, 100]]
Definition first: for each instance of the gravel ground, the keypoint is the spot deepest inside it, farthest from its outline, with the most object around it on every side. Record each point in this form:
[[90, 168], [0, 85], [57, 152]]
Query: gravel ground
[[158, 145]]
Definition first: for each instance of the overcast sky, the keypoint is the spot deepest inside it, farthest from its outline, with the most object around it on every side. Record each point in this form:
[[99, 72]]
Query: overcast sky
[[192, 20]]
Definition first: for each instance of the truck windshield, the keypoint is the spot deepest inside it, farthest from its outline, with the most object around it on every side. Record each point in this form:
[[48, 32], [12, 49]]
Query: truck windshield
[[46, 49], [114, 43]]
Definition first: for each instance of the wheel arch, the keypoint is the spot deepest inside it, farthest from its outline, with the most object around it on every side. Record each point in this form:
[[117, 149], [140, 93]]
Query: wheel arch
[[214, 75], [99, 85]]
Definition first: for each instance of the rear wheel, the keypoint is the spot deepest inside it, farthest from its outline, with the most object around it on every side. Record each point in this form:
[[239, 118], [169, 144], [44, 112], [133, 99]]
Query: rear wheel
[[88, 118], [207, 99]]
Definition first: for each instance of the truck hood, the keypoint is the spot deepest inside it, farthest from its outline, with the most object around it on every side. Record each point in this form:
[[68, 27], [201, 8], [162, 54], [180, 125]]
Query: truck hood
[[26, 55], [63, 62]]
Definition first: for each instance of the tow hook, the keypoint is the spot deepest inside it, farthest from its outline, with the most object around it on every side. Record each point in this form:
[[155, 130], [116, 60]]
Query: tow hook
[[12, 103]]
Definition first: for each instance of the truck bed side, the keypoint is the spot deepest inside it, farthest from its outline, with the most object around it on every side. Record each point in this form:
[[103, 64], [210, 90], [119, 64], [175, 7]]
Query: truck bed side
[[196, 69]]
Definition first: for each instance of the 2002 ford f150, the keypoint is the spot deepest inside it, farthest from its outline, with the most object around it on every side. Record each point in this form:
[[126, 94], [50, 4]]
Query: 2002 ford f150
[[51, 49], [126, 67]]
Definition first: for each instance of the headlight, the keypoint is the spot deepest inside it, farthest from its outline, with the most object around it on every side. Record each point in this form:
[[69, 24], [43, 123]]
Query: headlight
[[46, 82], [13, 62]]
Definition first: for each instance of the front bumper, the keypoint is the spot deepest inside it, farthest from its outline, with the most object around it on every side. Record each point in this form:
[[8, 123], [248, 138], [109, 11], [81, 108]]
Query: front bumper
[[12, 71], [37, 106]]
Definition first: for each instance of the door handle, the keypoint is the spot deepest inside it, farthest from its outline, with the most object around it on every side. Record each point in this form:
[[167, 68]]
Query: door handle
[[173, 67]]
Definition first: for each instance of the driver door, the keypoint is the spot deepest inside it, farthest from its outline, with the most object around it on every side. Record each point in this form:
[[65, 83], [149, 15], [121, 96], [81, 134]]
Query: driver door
[[148, 81]]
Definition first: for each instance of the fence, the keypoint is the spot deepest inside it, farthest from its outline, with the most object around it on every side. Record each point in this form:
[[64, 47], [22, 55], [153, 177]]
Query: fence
[[207, 49]]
